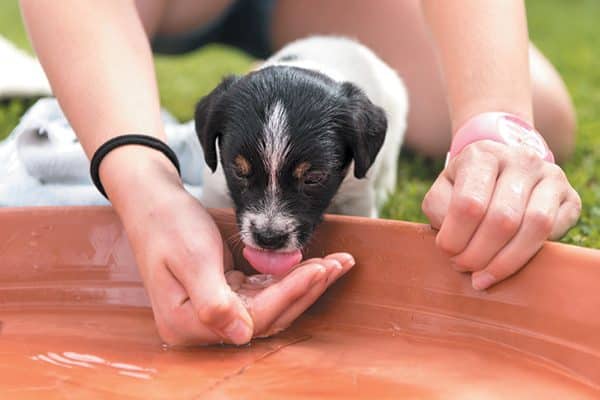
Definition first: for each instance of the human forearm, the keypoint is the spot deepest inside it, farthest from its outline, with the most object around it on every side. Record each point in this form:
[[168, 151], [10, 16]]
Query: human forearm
[[98, 60], [483, 48], [497, 200]]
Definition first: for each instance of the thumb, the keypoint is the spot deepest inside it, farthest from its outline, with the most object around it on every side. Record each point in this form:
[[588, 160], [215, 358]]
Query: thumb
[[216, 305], [437, 201]]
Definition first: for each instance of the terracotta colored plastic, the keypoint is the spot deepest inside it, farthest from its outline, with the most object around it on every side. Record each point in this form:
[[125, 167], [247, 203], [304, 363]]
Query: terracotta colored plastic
[[75, 322]]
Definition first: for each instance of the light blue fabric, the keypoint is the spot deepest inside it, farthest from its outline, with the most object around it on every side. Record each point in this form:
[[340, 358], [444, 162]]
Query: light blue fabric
[[43, 164]]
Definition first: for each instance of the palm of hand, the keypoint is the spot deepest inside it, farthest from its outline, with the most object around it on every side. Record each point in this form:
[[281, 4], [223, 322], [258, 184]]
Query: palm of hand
[[275, 302]]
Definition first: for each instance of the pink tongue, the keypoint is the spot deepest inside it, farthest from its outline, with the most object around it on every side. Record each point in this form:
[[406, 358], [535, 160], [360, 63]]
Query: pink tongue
[[270, 262]]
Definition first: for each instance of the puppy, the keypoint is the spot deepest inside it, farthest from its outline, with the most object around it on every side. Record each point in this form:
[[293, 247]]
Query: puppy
[[317, 128]]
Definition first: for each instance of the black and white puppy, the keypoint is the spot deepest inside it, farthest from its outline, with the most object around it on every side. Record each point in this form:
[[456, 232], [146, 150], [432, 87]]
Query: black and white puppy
[[317, 128]]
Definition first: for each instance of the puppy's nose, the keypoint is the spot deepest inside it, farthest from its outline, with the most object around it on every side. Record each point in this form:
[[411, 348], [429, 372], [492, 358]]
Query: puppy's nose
[[270, 239]]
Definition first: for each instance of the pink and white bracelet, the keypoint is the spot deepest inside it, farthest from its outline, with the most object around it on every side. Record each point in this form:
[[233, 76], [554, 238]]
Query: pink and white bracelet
[[500, 127]]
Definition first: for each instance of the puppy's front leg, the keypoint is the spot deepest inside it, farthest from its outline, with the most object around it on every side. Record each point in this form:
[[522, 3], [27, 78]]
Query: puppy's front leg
[[357, 201], [214, 189]]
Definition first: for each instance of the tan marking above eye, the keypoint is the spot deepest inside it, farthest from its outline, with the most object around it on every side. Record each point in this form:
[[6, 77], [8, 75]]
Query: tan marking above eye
[[242, 165], [301, 169]]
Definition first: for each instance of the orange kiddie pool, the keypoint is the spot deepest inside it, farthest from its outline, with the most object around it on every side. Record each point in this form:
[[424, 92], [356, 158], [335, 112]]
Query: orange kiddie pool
[[75, 322]]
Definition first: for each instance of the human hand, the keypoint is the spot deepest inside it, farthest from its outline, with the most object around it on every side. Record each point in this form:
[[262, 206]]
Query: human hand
[[275, 302], [196, 296], [495, 205]]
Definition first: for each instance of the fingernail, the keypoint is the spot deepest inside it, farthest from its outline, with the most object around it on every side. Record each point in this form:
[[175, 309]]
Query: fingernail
[[238, 332], [348, 260], [337, 265], [482, 280], [319, 274], [336, 270]]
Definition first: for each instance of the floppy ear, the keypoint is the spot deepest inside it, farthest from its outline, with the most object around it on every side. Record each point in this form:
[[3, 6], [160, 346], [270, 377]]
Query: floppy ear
[[365, 126], [208, 118]]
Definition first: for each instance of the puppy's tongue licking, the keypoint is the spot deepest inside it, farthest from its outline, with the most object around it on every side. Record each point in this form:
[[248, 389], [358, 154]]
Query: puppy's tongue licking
[[270, 262]]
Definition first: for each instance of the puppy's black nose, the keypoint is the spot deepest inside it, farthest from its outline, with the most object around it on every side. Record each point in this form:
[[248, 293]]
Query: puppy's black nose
[[270, 240]]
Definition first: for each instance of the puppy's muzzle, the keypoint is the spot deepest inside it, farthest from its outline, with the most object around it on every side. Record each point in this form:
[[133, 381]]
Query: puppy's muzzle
[[270, 239]]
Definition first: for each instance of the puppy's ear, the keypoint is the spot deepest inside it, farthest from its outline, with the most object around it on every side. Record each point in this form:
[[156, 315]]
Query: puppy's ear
[[365, 125], [209, 118]]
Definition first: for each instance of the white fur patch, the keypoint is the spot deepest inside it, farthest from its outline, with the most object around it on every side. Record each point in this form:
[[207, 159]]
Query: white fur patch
[[270, 216], [276, 143]]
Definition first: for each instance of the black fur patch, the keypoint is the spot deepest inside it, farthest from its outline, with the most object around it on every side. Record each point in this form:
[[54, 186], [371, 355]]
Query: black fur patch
[[329, 125]]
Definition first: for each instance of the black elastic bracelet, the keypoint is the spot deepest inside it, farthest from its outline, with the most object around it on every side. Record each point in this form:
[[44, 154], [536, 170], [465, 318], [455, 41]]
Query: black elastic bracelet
[[124, 140]]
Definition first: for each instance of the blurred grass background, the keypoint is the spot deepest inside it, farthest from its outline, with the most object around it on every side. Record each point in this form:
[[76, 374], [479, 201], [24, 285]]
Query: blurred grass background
[[566, 31]]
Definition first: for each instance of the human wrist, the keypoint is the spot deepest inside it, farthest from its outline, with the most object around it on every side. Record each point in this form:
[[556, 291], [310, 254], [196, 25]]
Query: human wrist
[[132, 174], [466, 109], [501, 127], [127, 140]]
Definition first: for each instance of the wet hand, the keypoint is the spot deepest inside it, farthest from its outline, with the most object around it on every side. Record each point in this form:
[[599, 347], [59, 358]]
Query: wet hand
[[179, 252], [196, 295], [275, 302], [495, 206]]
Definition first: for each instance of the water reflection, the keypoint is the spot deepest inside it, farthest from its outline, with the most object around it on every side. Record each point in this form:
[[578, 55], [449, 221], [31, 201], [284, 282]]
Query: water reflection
[[70, 359]]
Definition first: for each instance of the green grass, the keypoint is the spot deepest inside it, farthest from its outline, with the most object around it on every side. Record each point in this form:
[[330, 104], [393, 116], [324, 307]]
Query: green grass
[[566, 31]]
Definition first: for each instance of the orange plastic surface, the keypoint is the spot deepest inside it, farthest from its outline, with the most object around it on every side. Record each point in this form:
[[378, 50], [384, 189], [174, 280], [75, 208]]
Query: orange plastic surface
[[75, 322]]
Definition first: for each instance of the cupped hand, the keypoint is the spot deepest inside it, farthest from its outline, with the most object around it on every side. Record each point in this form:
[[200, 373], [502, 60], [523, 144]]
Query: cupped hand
[[179, 252], [275, 302], [196, 295], [495, 206]]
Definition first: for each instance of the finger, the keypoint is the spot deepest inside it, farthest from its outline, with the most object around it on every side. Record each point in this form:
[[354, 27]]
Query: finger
[[474, 182], [346, 260], [437, 200], [538, 221], [302, 304], [235, 279], [268, 304], [501, 221], [258, 282], [275, 300], [188, 328], [216, 305], [568, 215], [254, 284], [176, 319]]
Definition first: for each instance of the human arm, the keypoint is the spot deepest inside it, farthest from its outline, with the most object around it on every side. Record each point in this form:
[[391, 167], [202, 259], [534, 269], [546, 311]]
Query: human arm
[[494, 205], [99, 63]]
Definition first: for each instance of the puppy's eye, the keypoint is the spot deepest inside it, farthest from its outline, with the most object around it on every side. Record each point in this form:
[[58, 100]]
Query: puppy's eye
[[241, 167], [314, 178], [309, 177]]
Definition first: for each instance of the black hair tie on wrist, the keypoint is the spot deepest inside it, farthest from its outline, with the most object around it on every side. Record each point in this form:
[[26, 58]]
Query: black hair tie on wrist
[[123, 140]]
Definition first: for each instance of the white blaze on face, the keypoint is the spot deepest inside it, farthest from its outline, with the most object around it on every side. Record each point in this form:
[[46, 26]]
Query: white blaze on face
[[275, 145], [271, 214]]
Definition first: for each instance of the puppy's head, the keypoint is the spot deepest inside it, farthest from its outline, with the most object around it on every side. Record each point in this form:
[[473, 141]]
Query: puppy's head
[[286, 137]]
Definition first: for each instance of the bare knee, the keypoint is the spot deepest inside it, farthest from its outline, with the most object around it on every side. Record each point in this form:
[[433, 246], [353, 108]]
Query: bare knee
[[429, 131], [151, 14], [553, 110]]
